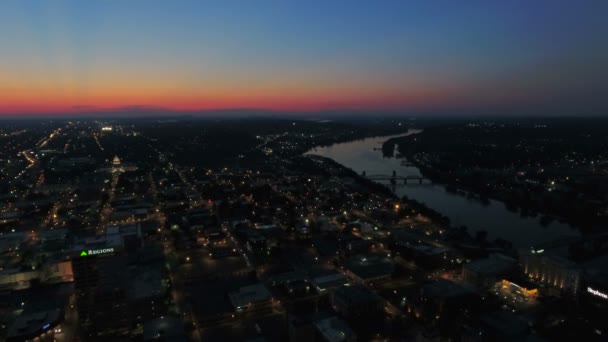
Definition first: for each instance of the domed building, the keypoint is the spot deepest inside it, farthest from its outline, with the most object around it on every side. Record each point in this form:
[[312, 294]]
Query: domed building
[[118, 166]]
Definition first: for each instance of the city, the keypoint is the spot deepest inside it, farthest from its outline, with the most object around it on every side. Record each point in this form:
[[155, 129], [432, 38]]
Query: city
[[133, 239], [295, 171]]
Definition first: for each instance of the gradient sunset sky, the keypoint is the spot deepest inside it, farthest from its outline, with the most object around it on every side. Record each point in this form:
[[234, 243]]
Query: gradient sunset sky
[[483, 57]]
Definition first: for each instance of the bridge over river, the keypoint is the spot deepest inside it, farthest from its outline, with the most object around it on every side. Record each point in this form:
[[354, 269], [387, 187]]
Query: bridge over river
[[495, 218], [394, 178]]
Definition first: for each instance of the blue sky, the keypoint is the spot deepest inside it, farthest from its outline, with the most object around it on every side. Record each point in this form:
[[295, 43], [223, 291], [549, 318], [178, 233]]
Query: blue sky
[[537, 57]]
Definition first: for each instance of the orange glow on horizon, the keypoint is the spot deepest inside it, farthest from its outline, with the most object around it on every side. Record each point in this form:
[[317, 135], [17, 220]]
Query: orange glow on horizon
[[109, 87], [41, 100]]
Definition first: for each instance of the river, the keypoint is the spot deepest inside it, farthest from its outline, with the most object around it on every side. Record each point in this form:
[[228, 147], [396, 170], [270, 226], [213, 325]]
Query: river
[[366, 155]]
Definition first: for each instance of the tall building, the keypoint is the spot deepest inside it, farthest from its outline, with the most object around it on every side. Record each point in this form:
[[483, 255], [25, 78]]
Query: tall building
[[100, 282]]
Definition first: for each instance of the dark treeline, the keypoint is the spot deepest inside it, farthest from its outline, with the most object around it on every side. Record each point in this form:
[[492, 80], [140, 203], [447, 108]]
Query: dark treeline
[[550, 167]]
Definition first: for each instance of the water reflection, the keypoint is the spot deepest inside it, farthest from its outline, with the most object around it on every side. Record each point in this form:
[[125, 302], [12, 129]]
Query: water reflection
[[366, 155]]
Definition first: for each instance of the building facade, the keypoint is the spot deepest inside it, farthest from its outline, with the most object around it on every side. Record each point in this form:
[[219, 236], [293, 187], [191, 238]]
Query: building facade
[[552, 270]]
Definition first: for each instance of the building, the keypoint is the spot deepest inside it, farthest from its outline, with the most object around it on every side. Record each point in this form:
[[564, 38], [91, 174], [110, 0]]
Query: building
[[333, 329], [521, 292], [252, 297], [428, 256], [101, 295], [285, 278], [552, 270], [353, 245], [447, 304], [356, 301], [16, 279], [146, 294], [329, 282], [118, 283], [117, 166], [101, 290], [370, 268], [485, 273], [594, 293], [291, 284], [35, 325], [51, 273]]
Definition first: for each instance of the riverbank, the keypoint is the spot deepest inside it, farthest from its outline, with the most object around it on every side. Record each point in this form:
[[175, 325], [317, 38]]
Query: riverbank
[[437, 227], [525, 197], [461, 211]]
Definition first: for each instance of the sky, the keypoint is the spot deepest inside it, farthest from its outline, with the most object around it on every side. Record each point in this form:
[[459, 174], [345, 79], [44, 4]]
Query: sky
[[483, 57]]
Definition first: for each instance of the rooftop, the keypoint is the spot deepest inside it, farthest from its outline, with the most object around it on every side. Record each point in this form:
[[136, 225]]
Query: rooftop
[[334, 329], [330, 280], [445, 289], [495, 264], [356, 294], [370, 266], [249, 295], [31, 325], [145, 284]]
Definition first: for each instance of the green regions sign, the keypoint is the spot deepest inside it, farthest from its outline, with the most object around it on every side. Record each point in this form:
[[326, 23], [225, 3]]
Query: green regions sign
[[88, 252]]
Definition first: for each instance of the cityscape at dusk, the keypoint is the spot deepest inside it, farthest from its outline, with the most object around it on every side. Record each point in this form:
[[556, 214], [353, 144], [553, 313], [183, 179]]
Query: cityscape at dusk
[[325, 171]]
